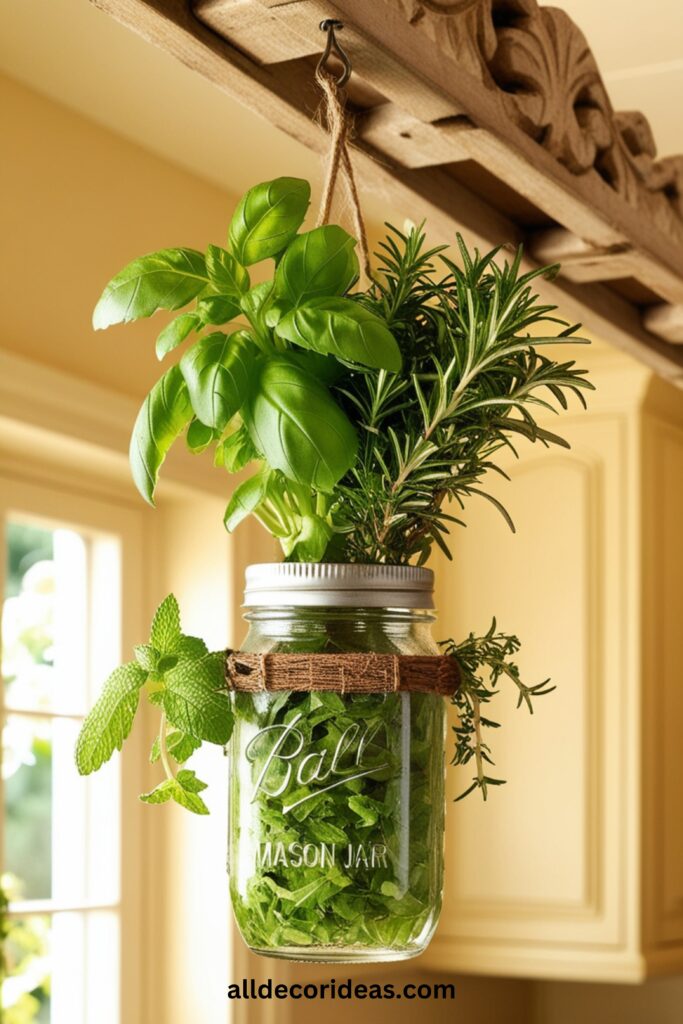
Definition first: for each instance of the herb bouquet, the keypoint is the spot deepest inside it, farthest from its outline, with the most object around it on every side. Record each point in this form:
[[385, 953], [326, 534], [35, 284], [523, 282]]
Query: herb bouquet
[[368, 418]]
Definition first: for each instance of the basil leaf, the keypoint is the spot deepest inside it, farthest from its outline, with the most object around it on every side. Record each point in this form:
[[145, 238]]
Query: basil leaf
[[342, 328], [319, 262], [267, 218], [199, 436], [310, 543], [227, 276], [298, 426], [246, 498], [175, 333], [236, 451], [217, 309], [255, 305], [167, 279], [216, 370], [326, 369], [164, 413]]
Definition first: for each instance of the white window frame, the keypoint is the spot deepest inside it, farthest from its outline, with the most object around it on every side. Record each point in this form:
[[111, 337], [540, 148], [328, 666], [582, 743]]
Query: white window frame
[[71, 437], [100, 521]]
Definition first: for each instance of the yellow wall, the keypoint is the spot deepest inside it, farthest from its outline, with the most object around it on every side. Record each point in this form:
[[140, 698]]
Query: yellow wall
[[78, 203]]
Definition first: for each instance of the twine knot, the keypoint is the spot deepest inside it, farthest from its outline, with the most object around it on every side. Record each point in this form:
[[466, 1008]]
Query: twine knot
[[339, 125]]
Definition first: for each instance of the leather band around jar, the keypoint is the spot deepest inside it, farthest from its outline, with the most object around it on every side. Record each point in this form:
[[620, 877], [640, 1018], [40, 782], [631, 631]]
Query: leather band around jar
[[342, 673]]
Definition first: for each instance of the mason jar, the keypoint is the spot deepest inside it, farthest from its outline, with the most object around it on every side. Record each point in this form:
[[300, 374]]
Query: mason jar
[[336, 818]]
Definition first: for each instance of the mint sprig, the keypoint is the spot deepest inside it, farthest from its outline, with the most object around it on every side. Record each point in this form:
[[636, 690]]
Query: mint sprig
[[185, 680]]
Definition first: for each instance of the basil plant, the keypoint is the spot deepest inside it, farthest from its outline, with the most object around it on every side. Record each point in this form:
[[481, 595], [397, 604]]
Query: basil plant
[[257, 383]]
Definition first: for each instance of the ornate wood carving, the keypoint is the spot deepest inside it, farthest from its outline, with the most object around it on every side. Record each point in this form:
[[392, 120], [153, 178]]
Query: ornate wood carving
[[538, 65], [444, 88]]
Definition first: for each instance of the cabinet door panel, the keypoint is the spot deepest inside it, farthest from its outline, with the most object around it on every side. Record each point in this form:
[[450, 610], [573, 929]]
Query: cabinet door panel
[[540, 865]]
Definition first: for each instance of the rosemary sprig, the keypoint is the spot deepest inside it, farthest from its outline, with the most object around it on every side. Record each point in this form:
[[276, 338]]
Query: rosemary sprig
[[471, 380], [492, 653]]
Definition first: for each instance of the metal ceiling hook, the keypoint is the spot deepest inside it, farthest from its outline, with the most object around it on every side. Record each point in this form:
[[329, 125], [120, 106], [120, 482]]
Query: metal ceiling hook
[[330, 25]]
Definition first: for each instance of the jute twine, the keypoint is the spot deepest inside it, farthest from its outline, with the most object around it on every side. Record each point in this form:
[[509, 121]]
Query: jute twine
[[340, 128], [342, 673]]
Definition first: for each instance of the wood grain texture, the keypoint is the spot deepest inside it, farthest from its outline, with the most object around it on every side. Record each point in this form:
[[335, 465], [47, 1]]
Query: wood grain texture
[[666, 321], [448, 71]]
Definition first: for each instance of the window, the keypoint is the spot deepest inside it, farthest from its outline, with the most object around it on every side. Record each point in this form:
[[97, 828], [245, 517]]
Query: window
[[61, 834]]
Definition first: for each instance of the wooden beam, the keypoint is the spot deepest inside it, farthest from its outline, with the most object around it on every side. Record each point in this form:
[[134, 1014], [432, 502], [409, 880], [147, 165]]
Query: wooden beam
[[666, 322], [285, 94], [258, 33], [412, 142], [580, 261], [301, 19], [583, 202]]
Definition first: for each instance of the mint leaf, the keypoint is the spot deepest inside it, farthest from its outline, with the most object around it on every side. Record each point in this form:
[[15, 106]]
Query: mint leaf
[[191, 801], [191, 647], [195, 700], [160, 794], [147, 657], [110, 720], [165, 634], [173, 789], [179, 745], [189, 781]]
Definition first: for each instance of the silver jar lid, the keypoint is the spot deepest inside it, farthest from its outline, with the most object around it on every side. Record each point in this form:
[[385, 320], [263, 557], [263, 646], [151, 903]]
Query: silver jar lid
[[338, 585]]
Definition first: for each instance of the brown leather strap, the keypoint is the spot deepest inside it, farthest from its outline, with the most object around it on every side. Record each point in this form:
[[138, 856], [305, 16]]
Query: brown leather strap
[[343, 673]]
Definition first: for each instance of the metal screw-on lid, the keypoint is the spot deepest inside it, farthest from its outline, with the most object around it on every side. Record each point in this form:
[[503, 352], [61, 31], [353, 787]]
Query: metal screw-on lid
[[338, 585]]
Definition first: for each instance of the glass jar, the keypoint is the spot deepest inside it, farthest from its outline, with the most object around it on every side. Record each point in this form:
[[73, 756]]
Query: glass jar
[[337, 801]]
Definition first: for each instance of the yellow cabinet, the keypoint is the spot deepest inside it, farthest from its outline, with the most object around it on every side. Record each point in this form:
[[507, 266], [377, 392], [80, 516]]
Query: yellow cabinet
[[574, 868]]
